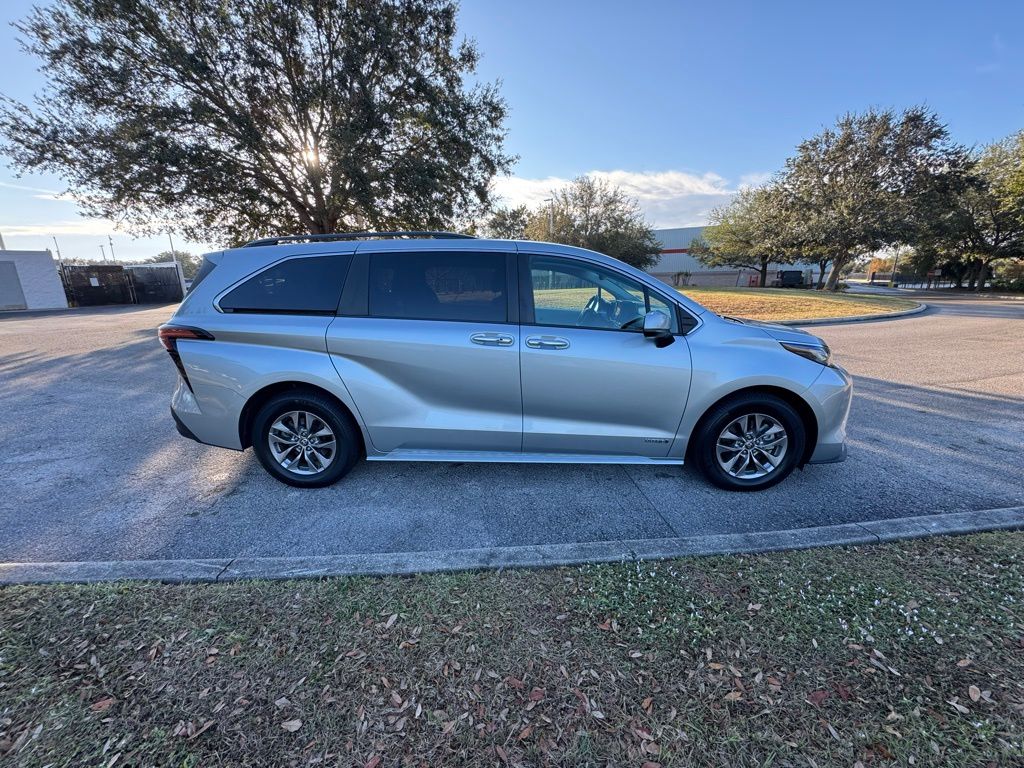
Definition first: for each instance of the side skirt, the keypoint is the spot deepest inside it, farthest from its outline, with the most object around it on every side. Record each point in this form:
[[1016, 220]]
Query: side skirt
[[511, 457]]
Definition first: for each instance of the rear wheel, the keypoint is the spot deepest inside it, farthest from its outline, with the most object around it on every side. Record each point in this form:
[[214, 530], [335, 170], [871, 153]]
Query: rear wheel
[[304, 439], [749, 442]]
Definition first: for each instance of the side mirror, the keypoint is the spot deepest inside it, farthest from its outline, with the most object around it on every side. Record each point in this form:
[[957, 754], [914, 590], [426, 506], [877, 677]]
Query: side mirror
[[658, 326]]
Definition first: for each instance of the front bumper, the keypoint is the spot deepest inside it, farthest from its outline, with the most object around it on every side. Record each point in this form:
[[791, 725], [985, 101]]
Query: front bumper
[[831, 395], [843, 452]]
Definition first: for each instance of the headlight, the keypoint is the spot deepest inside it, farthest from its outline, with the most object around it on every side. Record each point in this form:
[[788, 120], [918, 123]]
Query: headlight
[[819, 353]]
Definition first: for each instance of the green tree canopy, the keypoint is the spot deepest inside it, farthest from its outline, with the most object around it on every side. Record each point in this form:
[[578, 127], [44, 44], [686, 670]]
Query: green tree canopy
[[508, 223], [591, 213], [748, 232], [873, 180], [231, 119]]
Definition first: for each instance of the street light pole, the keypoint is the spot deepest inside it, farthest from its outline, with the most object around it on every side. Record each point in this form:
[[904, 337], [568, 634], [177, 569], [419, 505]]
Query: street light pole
[[111, 241], [57, 247], [104, 252], [551, 215]]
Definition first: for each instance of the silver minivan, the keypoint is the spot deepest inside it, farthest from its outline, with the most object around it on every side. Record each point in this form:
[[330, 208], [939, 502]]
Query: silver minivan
[[430, 346]]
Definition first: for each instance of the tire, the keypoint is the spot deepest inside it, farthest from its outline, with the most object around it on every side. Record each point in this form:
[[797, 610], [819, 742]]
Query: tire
[[312, 463], [727, 426]]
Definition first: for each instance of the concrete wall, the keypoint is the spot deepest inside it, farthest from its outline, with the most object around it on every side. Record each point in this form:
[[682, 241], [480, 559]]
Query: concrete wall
[[37, 272]]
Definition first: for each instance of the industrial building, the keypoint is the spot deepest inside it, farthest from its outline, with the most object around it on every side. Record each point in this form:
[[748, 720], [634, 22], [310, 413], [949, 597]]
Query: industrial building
[[677, 267], [29, 280]]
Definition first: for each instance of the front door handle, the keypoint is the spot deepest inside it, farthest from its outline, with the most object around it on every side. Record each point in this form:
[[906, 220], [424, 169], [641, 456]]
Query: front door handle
[[490, 339], [547, 342]]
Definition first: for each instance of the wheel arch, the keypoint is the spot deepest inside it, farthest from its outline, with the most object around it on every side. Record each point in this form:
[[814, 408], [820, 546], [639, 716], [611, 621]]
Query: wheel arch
[[261, 396], [799, 404]]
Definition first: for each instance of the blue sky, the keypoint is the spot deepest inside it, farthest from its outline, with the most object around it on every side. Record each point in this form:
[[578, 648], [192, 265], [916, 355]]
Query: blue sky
[[679, 102]]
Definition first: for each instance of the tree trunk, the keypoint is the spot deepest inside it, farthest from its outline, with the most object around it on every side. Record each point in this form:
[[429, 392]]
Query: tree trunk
[[764, 271], [822, 266], [972, 275], [979, 278], [833, 276]]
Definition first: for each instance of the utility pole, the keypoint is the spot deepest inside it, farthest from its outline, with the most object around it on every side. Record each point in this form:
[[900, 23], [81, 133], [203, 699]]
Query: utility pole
[[171, 241], [895, 263], [111, 241], [58, 249], [551, 215], [104, 252]]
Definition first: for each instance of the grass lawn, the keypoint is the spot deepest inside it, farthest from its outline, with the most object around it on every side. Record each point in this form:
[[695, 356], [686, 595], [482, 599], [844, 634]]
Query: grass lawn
[[908, 653], [783, 304]]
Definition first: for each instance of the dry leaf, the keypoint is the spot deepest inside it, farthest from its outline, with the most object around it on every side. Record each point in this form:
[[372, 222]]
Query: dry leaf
[[733, 696], [373, 762], [974, 692], [103, 704], [817, 697], [959, 707], [291, 725]]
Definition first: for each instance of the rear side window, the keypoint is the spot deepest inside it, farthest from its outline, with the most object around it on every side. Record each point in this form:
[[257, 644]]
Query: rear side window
[[439, 286], [204, 269], [306, 286]]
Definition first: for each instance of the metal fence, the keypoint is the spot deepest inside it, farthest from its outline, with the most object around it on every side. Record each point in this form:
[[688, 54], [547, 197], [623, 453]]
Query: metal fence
[[90, 285], [911, 280]]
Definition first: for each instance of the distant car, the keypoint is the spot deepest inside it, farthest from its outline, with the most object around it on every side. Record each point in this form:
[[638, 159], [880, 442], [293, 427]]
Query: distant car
[[317, 350]]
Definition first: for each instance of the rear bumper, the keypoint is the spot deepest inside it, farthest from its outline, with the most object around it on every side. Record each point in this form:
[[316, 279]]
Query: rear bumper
[[183, 430]]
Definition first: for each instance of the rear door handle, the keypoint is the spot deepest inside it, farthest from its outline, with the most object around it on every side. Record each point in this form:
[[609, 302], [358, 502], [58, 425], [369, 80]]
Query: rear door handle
[[491, 339], [547, 342]]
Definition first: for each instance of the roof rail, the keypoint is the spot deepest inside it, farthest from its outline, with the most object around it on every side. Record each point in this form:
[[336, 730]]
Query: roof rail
[[326, 238]]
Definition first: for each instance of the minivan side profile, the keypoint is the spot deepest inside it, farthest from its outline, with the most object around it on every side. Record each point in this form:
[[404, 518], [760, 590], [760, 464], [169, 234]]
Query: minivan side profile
[[316, 351]]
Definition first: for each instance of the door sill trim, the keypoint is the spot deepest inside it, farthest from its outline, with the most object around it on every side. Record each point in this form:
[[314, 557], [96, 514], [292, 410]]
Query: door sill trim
[[515, 457]]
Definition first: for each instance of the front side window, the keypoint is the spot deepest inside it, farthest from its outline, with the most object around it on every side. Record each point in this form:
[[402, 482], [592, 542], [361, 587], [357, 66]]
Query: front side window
[[439, 286], [574, 293], [310, 285]]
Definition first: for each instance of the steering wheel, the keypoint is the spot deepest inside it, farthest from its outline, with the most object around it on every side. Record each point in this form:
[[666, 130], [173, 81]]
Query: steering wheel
[[636, 322], [593, 311]]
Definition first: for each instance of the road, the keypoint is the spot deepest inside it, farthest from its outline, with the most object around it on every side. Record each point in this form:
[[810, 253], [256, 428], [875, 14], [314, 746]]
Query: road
[[92, 468]]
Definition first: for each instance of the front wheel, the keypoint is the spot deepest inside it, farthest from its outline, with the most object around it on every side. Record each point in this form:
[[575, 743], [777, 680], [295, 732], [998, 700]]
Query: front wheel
[[304, 439], [749, 442]]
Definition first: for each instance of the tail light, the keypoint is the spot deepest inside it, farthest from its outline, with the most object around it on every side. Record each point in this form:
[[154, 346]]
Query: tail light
[[169, 336]]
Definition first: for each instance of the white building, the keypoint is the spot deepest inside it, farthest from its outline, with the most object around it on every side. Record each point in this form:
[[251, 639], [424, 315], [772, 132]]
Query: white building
[[29, 280], [677, 267]]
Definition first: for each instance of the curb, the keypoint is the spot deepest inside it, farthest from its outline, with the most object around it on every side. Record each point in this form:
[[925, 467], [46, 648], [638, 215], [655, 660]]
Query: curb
[[921, 307], [540, 556]]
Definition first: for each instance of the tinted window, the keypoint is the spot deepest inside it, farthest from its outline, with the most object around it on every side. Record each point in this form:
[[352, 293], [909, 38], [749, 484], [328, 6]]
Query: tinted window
[[300, 286], [577, 294], [439, 286]]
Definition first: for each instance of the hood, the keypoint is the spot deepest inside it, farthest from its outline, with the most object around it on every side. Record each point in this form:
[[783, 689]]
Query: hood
[[780, 332]]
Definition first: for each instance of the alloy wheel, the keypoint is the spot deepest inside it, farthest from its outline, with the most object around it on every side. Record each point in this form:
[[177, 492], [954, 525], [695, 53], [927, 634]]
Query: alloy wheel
[[302, 442], [751, 446]]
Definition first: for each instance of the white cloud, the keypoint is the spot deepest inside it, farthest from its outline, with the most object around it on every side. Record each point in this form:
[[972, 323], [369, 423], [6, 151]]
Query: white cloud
[[46, 193], [755, 179], [667, 198], [66, 227]]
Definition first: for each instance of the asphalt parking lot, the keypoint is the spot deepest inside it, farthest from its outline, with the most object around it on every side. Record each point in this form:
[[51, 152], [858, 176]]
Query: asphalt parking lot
[[92, 468]]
